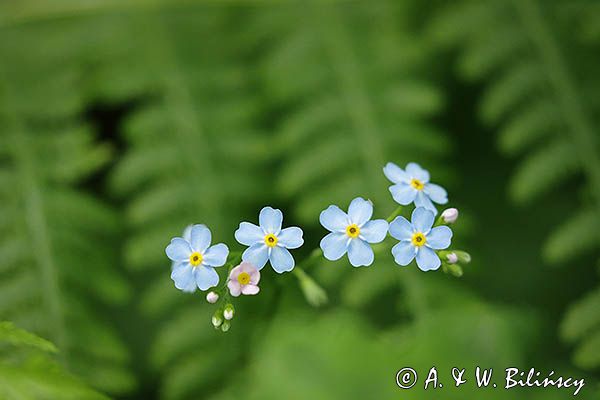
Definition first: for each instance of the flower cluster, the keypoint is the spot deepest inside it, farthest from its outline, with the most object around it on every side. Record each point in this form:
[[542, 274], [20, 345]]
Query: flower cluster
[[353, 233]]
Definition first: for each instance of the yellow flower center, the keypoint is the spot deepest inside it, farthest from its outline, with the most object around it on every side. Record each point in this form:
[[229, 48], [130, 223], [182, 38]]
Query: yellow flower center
[[417, 184], [196, 259], [243, 278], [271, 240], [418, 239], [352, 231]]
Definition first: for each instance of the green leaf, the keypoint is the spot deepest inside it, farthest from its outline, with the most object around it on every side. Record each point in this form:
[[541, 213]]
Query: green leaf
[[541, 92], [59, 243], [29, 369], [543, 170], [577, 235]]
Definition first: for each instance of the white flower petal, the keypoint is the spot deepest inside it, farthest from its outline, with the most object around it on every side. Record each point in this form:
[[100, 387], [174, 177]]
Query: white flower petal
[[250, 289], [235, 288]]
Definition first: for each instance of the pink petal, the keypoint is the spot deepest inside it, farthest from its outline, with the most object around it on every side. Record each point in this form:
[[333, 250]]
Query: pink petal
[[254, 277], [250, 289], [252, 271], [235, 272], [246, 267], [234, 288]]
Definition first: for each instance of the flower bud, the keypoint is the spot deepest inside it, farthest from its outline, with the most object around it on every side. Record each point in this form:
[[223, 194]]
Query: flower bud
[[463, 256], [225, 326], [455, 270], [212, 297], [228, 312], [450, 215], [452, 258], [217, 320]]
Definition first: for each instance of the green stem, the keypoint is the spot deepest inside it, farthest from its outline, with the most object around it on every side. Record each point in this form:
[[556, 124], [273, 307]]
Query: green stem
[[313, 292], [394, 214]]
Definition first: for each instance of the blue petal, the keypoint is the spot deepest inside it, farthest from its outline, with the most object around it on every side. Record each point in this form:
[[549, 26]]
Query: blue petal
[[395, 174], [334, 245], [401, 229], [183, 277], [333, 219], [427, 260], [422, 200], [374, 231], [291, 238], [414, 170], [281, 259], [200, 238], [360, 211], [403, 193], [178, 250], [187, 233], [422, 220], [439, 238], [216, 255], [404, 253], [436, 193], [206, 277], [248, 234], [257, 255], [360, 253], [270, 220]]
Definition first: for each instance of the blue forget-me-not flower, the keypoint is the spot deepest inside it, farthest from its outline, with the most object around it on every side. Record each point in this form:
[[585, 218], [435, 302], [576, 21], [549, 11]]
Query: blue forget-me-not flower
[[268, 242], [412, 185], [352, 233], [194, 259], [419, 240]]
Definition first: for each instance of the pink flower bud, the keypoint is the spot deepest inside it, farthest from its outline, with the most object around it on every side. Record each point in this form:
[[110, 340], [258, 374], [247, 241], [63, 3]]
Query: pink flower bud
[[228, 314], [212, 297], [452, 258], [450, 215]]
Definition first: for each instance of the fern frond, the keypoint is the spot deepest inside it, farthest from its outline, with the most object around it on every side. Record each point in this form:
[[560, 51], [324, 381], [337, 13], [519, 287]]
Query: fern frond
[[58, 268], [196, 154], [577, 235], [538, 93], [29, 369], [352, 110]]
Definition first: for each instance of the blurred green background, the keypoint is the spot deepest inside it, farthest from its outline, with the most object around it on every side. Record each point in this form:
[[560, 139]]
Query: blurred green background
[[121, 122]]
